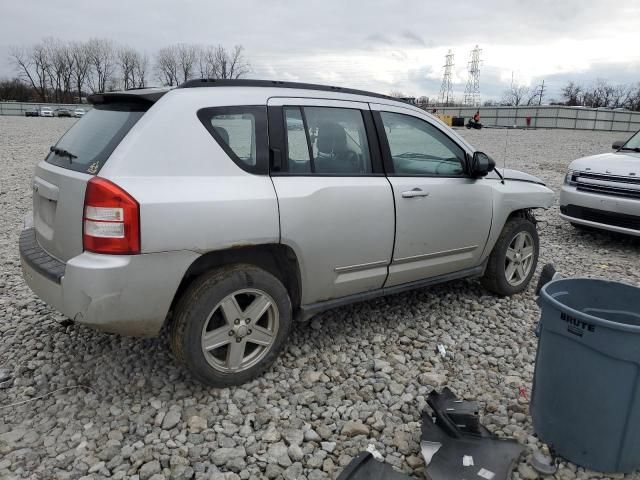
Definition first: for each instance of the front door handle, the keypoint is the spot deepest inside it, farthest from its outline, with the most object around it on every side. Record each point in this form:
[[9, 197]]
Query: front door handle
[[416, 192]]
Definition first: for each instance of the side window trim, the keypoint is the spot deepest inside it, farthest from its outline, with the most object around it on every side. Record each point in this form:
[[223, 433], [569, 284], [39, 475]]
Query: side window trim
[[261, 136], [305, 127], [278, 163], [386, 149]]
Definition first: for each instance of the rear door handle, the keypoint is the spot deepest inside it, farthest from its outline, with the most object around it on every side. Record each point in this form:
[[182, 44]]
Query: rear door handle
[[416, 192]]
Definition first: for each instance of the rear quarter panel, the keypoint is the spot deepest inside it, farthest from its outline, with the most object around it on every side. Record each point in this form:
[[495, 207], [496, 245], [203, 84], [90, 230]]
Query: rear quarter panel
[[192, 195]]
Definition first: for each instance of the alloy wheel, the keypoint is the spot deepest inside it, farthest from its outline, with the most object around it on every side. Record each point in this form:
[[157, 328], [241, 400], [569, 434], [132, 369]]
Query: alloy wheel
[[240, 330], [519, 258]]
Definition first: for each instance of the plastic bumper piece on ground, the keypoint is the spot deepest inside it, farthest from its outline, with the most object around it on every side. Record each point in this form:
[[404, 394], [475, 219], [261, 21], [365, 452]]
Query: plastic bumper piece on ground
[[467, 449]]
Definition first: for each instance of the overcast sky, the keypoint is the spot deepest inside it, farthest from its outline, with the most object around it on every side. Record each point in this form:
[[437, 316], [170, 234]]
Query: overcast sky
[[371, 44]]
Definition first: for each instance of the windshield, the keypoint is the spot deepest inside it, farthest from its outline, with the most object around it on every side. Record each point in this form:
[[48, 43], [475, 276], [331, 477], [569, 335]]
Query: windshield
[[87, 145], [633, 142]]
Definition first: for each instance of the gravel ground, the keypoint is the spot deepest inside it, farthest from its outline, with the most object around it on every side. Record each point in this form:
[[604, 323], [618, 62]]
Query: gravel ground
[[120, 408]]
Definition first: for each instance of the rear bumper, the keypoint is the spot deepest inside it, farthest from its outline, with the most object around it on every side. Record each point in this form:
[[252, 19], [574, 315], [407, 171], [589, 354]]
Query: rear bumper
[[606, 212], [124, 294]]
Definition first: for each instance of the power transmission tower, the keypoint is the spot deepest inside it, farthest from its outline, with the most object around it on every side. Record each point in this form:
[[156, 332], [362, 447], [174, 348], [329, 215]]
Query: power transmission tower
[[472, 90], [445, 89]]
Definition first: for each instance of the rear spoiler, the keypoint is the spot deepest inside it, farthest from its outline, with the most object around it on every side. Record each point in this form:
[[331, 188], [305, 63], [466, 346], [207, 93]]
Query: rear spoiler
[[144, 95]]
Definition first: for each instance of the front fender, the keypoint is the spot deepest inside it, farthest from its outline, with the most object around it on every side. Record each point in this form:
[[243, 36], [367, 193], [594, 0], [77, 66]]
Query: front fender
[[512, 196]]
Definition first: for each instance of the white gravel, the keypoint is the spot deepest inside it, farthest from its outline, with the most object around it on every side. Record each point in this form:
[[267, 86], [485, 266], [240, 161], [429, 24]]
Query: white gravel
[[352, 376]]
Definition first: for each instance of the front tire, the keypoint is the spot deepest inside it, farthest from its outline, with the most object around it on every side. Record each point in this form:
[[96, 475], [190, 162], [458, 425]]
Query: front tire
[[231, 324], [513, 260]]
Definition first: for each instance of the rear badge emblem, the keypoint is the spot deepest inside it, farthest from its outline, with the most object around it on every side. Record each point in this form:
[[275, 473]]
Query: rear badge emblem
[[93, 168]]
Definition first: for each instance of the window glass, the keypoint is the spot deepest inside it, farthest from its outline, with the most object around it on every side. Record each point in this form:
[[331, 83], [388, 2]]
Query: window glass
[[338, 141], [418, 148], [238, 132], [633, 142], [90, 141], [297, 146]]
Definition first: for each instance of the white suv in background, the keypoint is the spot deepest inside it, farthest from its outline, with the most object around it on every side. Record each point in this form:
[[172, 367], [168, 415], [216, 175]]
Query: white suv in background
[[229, 209], [603, 191]]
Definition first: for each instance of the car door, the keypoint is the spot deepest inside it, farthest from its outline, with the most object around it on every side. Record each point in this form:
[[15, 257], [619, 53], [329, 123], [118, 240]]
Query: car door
[[336, 205], [443, 217]]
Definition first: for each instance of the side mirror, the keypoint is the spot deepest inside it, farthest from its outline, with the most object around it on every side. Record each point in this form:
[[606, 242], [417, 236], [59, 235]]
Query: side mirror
[[617, 145], [481, 164]]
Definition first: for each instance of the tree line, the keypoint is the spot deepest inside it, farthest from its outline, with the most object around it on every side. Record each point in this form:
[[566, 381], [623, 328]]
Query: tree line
[[600, 94], [64, 72]]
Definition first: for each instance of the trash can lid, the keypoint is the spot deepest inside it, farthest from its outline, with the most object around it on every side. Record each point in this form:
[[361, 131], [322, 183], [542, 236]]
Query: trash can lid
[[608, 303]]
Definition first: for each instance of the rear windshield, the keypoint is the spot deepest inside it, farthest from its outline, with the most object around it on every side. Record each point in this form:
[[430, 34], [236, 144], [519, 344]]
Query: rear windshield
[[88, 144]]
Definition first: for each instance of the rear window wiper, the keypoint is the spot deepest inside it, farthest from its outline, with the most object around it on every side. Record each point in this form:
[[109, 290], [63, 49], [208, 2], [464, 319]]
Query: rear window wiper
[[633, 149], [61, 152]]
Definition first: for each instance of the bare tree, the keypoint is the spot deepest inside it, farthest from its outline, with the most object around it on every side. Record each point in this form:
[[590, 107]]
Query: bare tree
[[515, 95], [187, 55], [621, 96], [167, 65], [231, 64], [103, 64], [81, 65], [59, 68], [634, 98], [218, 62], [142, 65], [207, 62], [572, 94], [600, 94], [32, 64], [127, 59]]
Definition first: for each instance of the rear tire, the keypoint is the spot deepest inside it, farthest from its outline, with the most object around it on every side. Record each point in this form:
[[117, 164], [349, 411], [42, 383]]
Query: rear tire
[[231, 324], [513, 260]]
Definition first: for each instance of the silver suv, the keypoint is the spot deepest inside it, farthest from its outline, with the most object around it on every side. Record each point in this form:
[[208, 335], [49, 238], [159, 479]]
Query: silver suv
[[603, 191], [226, 210]]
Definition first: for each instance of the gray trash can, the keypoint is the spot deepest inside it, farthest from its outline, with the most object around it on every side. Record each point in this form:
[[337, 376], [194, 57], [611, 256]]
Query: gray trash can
[[586, 392]]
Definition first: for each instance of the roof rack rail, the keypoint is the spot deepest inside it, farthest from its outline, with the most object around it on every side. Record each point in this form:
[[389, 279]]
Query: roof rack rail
[[217, 82]]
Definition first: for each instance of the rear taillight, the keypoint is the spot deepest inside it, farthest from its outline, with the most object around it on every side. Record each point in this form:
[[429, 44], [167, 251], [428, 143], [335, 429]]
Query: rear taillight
[[111, 222]]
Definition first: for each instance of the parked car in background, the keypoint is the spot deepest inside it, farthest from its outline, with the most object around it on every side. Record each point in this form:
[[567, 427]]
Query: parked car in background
[[78, 112], [32, 112], [342, 196], [603, 191], [63, 112], [46, 112]]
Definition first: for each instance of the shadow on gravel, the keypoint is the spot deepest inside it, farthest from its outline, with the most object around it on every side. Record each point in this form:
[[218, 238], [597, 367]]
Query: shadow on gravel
[[144, 367], [592, 237]]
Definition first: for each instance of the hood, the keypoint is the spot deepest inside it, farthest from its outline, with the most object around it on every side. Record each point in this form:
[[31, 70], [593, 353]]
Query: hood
[[623, 164], [517, 175]]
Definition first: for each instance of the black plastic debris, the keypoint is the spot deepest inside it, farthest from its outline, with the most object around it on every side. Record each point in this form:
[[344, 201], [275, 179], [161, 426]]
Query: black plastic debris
[[466, 448], [365, 467], [547, 274]]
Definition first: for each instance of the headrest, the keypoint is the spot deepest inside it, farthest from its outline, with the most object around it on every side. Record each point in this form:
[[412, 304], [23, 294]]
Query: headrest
[[332, 138]]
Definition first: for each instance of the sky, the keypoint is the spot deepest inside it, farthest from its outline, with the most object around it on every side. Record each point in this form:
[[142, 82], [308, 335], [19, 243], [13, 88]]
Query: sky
[[378, 45]]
